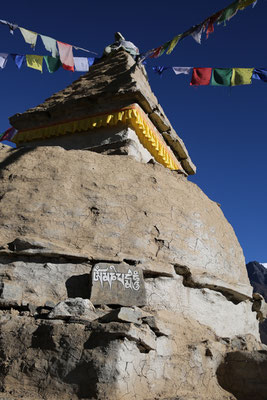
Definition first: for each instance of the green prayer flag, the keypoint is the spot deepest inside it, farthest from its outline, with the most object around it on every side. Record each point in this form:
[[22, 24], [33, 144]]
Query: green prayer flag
[[164, 48], [221, 77], [52, 63], [228, 12]]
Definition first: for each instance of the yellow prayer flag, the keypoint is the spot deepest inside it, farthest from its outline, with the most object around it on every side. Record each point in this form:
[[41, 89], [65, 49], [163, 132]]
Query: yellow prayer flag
[[173, 43], [245, 3], [34, 61], [241, 76]]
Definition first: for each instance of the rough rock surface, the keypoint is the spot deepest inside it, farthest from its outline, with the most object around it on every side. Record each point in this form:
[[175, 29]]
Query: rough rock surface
[[76, 308], [65, 212], [257, 274], [77, 201]]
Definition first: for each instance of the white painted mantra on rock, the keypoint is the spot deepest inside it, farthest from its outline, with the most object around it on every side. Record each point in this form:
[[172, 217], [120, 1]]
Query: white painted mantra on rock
[[131, 280]]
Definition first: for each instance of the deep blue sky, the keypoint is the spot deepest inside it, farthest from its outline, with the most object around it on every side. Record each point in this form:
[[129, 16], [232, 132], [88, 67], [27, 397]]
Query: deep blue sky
[[224, 129]]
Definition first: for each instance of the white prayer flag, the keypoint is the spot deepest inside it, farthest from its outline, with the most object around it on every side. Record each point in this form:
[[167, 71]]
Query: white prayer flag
[[81, 64], [50, 44], [181, 70], [197, 34], [3, 60]]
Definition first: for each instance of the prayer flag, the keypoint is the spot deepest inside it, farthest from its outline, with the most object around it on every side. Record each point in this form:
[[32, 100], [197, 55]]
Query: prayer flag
[[50, 44], [81, 64], [164, 47], [197, 33], [228, 12], [52, 63], [181, 70], [201, 76], [3, 60], [29, 36], [221, 77], [19, 59], [260, 73], [241, 76], [35, 62], [11, 26], [156, 52], [8, 134], [129, 47], [66, 56], [211, 21], [159, 70], [143, 56], [173, 43], [245, 3], [91, 61]]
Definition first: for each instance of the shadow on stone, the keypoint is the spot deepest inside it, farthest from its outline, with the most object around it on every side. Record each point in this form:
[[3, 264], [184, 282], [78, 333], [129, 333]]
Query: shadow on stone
[[79, 286], [101, 339], [42, 338], [85, 377], [243, 374], [15, 154]]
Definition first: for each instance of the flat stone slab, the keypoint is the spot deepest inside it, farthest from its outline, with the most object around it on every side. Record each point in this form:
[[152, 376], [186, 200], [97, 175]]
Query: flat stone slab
[[117, 284], [124, 314]]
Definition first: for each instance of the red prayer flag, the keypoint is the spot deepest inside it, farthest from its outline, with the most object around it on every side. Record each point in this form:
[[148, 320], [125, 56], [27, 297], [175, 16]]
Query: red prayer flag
[[211, 21], [201, 76], [66, 56], [8, 134], [157, 52]]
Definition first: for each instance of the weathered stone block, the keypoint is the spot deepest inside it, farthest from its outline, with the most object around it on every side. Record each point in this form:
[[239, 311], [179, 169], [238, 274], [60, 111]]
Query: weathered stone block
[[10, 292], [124, 314], [77, 308], [117, 284]]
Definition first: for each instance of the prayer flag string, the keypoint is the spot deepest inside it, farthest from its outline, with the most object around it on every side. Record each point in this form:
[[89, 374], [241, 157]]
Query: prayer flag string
[[65, 60], [217, 76], [197, 30], [30, 37]]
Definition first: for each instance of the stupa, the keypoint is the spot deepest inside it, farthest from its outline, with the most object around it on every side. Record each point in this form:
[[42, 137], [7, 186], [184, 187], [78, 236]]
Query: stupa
[[111, 110], [120, 279]]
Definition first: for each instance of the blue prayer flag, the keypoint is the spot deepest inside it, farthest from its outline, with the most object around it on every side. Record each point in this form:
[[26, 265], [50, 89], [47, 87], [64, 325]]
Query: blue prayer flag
[[159, 70], [91, 61], [260, 73], [19, 59]]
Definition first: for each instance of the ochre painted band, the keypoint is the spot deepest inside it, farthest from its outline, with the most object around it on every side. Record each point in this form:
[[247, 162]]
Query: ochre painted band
[[133, 116]]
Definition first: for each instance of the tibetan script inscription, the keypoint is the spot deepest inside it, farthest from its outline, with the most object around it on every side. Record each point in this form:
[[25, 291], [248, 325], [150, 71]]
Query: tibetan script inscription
[[130, 280], [117, 284]]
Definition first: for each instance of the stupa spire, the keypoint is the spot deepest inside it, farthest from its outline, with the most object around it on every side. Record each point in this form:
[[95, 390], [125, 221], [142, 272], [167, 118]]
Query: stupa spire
[[111, 110]]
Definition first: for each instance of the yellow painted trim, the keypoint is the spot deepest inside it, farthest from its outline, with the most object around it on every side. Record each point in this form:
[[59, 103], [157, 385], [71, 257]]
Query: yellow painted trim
[[133, 116]]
